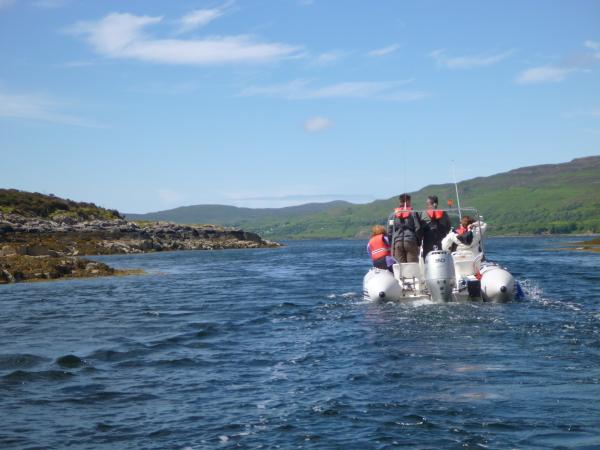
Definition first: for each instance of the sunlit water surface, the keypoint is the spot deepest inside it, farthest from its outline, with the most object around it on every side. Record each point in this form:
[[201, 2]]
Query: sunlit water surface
[[277, 349]]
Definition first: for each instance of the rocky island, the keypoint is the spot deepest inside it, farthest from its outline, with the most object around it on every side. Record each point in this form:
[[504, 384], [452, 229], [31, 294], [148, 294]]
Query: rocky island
[[44, 237]]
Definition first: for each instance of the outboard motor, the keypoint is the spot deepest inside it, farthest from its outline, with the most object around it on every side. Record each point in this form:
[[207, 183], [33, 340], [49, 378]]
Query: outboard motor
[[439, 275]]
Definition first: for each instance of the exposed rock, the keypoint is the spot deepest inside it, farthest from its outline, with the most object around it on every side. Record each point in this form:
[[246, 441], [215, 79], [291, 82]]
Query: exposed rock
[[64, 236], [33, 268], [37, 248]]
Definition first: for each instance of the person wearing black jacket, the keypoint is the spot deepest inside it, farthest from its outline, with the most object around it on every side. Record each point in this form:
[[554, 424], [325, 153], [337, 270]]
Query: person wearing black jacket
[[436, 225], [404, 227]]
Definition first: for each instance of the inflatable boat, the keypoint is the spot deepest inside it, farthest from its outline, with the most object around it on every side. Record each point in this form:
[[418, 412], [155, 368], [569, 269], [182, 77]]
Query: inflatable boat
[[443, 276]]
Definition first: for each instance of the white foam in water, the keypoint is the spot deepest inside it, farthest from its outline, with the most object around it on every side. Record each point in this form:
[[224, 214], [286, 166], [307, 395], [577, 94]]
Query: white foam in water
[[349, 295], [223, 439], [331, 296], [531, 290], [422, 302]]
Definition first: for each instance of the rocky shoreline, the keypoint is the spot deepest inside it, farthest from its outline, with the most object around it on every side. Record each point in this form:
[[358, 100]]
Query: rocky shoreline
[[33, 248]]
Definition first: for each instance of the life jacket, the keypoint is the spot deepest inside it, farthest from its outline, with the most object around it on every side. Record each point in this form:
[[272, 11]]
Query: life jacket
[[403, 213], [379, 248], [466, 237], [435, 214], [461, 230]]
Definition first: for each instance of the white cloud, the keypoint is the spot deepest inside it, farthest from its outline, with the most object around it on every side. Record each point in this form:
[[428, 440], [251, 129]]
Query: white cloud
[[544, 74], [467, 62], [317, 124], [76, 64], [6, 4], [169, 197], [328, 58], [122, 36], [593, 45], [304, 90], [164, 88], [384, 51], [555, 73], [39, 108], [200, 18], [593, 112]]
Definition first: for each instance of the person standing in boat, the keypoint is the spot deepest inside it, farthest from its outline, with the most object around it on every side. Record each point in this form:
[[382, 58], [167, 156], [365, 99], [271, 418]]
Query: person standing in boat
[[436, 225], [405, 229], [379, 249], [466, 238]]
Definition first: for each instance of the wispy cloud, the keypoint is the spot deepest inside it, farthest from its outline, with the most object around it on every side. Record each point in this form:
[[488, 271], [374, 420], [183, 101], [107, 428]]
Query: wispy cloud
[[593, 45], [39, 108], [170, 197], [163, 88], [592, 112], [49, 4], [76, 64], [329, 58], [293, 195], [544, 74], [123, 36], [6, 4], [304, 90], [317, 124], [468, 61], [384, 51], [555, 73], [201, 17]]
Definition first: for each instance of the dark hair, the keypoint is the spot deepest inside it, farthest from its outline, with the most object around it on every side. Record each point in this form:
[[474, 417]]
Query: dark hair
[[433, 199], [404, 198], [466, 221]]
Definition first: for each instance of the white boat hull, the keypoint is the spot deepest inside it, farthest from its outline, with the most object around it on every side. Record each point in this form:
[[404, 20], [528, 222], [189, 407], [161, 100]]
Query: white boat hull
[[441, 279]]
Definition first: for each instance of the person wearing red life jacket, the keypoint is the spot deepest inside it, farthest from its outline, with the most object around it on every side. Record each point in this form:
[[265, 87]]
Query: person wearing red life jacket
[[405, 228], [379, 249], [436, 225]]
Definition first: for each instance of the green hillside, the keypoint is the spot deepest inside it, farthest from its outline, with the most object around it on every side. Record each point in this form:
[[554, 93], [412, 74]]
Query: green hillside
[[34, 204], [232, 215], [552, 198]]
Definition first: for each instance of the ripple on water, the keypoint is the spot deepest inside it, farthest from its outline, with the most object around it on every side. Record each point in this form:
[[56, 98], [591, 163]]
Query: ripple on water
[[21, 361], [218, 354], [70, 361], [24, 376]]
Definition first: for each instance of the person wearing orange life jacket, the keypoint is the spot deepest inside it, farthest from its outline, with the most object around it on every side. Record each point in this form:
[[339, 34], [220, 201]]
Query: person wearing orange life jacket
[[379, 249], [405, 228], [466, 238], [436, 225]]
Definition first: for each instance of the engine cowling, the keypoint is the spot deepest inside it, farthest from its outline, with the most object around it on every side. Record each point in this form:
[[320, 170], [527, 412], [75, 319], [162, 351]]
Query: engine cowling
[[439, 275]]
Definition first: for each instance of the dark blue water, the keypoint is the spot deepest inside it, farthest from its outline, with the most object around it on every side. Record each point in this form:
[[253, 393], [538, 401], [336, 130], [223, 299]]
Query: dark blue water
[[276, 349]]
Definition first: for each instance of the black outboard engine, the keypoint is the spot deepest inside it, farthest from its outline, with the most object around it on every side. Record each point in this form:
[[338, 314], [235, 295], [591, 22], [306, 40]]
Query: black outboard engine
[[439, 275]]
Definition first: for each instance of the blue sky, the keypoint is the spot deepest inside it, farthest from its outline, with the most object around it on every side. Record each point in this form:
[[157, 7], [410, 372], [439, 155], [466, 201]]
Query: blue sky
[[146, 105]]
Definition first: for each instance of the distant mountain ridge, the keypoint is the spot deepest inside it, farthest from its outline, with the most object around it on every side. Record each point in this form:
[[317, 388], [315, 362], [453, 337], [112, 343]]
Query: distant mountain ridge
[[549, 198], [229, 215]]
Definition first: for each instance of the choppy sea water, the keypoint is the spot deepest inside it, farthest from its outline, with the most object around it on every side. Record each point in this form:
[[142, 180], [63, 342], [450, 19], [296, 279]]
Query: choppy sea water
[[277, 349]]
